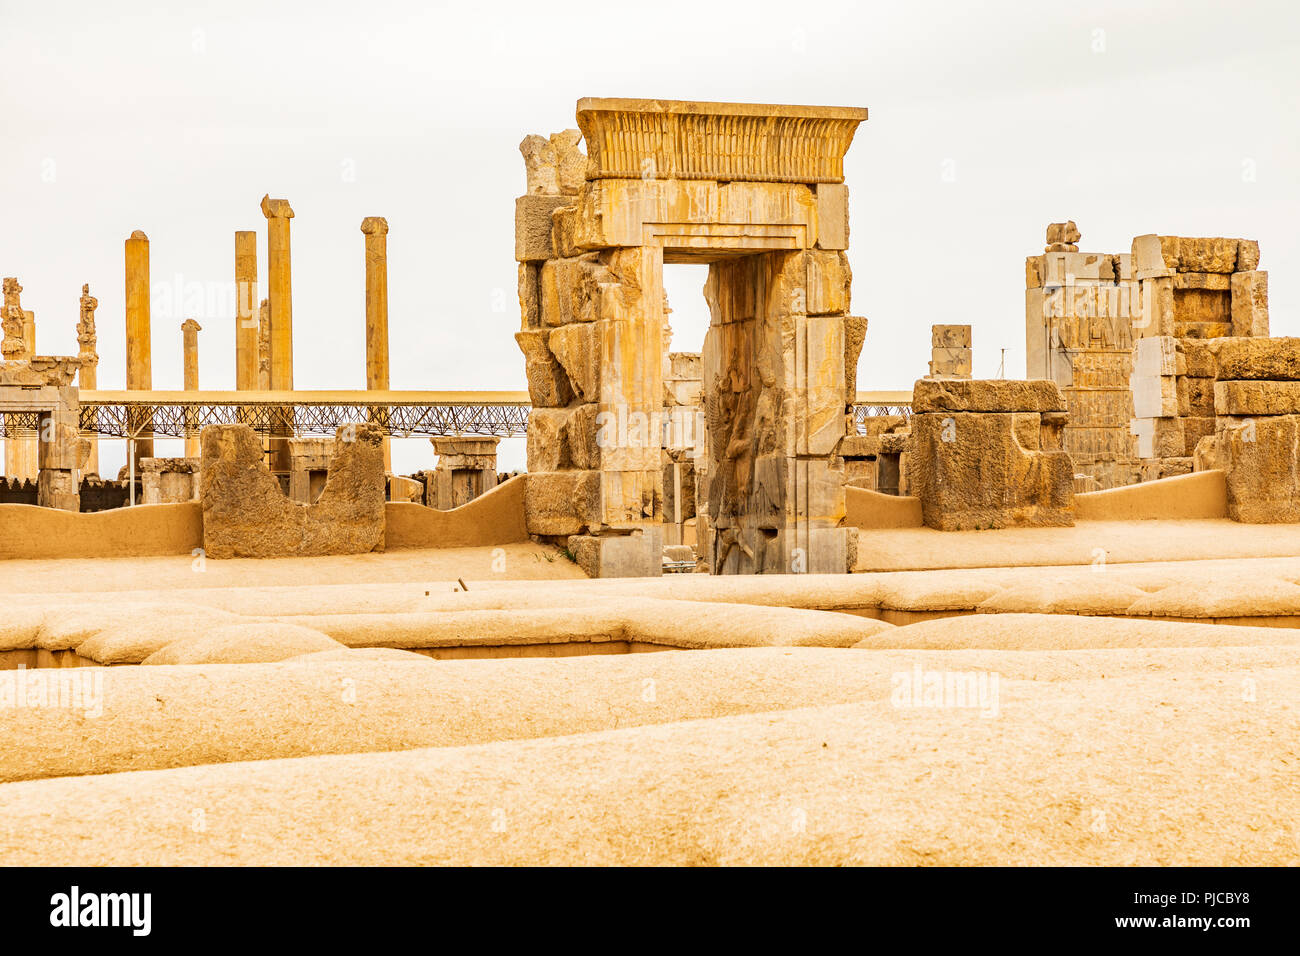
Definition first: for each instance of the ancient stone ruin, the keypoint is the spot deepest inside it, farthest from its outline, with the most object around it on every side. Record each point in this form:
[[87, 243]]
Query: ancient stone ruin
[[663, 183], [246, 515], [987, 454], [467, 468]]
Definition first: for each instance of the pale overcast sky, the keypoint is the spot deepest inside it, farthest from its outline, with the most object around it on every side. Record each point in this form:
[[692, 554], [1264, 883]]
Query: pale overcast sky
[[988, 121]]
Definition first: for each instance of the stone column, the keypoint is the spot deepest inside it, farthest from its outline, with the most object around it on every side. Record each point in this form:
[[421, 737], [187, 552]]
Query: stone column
[[376, 232], [190, 336], [246, 320], [278, 213], [264, 346], [87, 377], [139, 349]]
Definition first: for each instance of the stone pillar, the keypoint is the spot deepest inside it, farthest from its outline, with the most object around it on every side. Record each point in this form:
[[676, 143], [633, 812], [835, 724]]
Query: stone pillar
[[88, 376], [376, 232], [190, 337], [279, 284], [264, 346], [246, 318], [139, 348]]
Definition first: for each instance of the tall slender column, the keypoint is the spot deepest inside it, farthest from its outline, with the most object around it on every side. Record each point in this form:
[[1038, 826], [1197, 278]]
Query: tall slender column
[[190, 338], [246, 320], [139, 347], [264, 346], [88, 376], [278, 213], [376, 232]]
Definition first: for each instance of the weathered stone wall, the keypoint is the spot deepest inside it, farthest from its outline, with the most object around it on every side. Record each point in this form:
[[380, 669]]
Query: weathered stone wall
[[1194, 293], [987, 454], [1257, 426], [1079, 314], [245, 514]]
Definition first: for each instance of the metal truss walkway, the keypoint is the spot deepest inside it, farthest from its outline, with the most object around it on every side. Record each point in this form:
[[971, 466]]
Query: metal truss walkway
[[402, 414]]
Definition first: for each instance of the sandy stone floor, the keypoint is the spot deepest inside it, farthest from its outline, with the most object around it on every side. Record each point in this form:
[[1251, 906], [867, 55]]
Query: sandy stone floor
[[277, 725]]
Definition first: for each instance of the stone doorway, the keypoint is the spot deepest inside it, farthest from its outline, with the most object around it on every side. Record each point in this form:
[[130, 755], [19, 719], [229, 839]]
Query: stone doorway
[[663, 185]]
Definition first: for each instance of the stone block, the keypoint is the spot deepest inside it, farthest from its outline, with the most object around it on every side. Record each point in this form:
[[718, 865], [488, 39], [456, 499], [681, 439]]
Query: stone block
[[1202, 307], [629, 498], [548, 385], [829, 282], [1257, 398], [1155, 396], [1249, 304], [1200, 396], [1257, 359], [1157, 356], [1196, 428], [974, 471], [1033, 272], [577, 348], [952, 363], [635, 555], [564, 232], [832, 216], [548, 448], [1070, 268], [950, 336], [561, 503], [530, 304], [533, 226], [1247, 255], [1153, 254], [1159, 437], [245, 514], [1199, 359], [570, 289], [1155, 314], [1208, 281], [987, 395], [1262, 469], [855, 334]]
